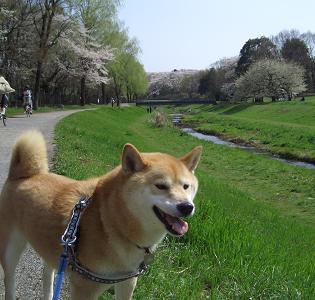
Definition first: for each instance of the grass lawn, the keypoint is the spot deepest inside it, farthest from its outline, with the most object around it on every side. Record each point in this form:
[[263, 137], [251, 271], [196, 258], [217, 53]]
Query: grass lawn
[[13, 111], [253, 232], [286, 128]]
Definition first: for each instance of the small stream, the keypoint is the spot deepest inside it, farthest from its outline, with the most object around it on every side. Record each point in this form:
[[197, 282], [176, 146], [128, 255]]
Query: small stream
[[176, 119]]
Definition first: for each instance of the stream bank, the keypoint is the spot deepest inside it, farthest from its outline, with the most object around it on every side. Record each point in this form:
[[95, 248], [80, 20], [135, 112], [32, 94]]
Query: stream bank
[[177, 121]]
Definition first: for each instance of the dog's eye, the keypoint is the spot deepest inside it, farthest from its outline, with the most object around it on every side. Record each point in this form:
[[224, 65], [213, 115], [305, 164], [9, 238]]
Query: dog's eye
[[186, 186], [161, 186]]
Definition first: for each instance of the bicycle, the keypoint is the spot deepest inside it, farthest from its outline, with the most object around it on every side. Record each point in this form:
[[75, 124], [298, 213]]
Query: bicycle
[[4, 119], [28, 111]]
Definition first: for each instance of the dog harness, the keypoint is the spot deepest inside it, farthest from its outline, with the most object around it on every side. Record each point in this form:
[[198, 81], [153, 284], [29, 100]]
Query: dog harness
[[69, 240]]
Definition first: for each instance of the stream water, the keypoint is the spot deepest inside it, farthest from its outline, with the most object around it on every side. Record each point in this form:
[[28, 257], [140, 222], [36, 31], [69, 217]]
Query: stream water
[[176, 118]]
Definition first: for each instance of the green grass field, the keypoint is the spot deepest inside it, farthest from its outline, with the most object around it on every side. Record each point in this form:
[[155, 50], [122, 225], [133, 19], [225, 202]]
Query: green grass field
[[286, 128], [14, 111], [253, 232]]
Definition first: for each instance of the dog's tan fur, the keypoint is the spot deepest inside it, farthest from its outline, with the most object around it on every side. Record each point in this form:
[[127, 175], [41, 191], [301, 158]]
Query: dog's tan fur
[[35, 207]]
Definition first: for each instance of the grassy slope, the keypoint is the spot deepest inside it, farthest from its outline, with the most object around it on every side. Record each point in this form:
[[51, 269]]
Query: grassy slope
[[286, 128], [238, 244]]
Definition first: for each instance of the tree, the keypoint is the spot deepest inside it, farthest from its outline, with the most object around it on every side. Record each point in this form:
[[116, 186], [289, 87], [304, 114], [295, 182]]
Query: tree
[[95, 15], [99, 19], [226, 68], [170, 85], [16, 34], [308, 38], [295, 50], [283, 36], [211, 82], [128, 76], [90, 60], [253, 50], [190, 84], [136, 82], [127, 73], [48, 35], [205, 80], [272, 78], [62, 48]]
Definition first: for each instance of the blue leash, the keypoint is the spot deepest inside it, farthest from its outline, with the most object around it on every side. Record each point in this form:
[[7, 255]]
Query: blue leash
[[68, 240], [60, 276]]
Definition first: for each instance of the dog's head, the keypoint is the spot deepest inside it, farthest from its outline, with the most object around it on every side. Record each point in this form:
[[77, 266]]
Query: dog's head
[[160, 189]]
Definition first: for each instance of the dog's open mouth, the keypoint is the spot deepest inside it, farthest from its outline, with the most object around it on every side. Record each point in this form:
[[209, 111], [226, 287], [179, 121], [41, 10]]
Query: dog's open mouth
[[173, 224]]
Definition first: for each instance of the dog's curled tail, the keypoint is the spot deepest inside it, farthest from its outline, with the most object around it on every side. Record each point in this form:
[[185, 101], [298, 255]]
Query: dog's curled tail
[[29, 156]]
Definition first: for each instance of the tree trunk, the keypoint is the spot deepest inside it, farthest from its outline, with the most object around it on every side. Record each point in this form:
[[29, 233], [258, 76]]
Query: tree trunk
[[37, 84], [259, 99], [313, 75], [47, 18], [82, 98], [117, 90], [104, 99], [289, 96]]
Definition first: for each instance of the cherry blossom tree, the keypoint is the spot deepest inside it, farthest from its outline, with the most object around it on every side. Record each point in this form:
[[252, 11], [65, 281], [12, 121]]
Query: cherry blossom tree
[[88, 60], [272, 78], [168, 84]]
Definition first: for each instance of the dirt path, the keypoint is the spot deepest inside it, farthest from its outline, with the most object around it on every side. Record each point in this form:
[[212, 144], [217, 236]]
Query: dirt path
[[29, 270]]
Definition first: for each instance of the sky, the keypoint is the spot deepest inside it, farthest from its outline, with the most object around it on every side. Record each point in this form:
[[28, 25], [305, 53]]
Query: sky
[[193, 34]]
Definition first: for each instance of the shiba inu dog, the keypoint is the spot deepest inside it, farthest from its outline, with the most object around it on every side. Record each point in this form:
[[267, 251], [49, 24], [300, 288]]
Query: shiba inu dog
[[132, 208]]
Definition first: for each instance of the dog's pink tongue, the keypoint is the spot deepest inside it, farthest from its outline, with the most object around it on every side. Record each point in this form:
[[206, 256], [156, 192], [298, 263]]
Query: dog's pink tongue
[[178, 225]]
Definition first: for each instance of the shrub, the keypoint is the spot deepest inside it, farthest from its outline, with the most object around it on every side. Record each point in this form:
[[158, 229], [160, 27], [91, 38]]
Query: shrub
[[159, 119]]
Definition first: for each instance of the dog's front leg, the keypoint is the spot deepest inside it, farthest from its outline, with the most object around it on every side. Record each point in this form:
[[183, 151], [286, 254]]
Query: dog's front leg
[[84, 289], [48, 282], [124, 289], [82, 294]]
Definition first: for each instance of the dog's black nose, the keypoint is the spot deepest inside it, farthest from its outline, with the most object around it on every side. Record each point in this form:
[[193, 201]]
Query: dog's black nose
[[185, 208]]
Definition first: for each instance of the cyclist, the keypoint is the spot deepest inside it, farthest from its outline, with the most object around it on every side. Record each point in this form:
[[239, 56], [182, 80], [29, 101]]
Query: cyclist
[[27, 98], [4, 103]]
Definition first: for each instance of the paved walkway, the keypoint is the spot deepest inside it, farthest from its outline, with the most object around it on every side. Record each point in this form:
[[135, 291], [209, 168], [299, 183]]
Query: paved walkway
[[29, 271]]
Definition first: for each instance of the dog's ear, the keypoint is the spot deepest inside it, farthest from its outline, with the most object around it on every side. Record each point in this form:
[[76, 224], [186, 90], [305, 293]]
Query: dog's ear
[[131, 159], [192, 158]]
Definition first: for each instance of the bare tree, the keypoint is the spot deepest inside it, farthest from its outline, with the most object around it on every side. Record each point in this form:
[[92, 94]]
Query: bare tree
[[283, 36]]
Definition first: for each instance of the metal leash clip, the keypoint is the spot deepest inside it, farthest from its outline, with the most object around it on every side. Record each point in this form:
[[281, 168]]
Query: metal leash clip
[[69, 237], [68, 241]]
